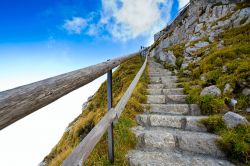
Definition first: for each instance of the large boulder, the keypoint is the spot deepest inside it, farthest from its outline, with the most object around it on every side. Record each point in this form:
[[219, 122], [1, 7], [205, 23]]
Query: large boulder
[[211, 90], [168, 57], [232, 119]]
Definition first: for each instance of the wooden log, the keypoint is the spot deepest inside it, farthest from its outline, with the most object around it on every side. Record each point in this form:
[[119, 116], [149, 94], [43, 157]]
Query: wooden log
[[83, 150], [22, 101]]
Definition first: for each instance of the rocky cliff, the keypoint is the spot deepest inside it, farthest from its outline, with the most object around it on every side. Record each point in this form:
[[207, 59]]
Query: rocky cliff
[[200, 20]]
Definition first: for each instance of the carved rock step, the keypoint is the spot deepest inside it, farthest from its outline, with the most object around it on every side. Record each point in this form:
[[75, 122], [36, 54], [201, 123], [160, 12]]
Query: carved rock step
[[162, 86], [157, 99], [159, 74], [176, 99], [172, 158], [161, 99], [190, 123], [166, 79], [155, 65], [158, 69], [173, 91], [166, 138], [174, 109], [155, 80]]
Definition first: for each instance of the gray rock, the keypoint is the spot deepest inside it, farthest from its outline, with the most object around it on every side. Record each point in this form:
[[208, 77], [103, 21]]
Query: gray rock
[[165, 43], [224, 69], [248, 110], [85, 104], [191, 50], [42, 163], [211, 39], [201, 44], [211, 90], [198, 27], [228, 88], [246, 91], [168, 57], [232, 119], [203, 78], [184, 65], [233, 102]]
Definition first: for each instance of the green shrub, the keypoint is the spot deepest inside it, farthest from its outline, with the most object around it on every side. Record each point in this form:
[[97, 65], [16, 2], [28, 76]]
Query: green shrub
[[179, 62], [243, 20], [211, 105], [214, 124], [169, 66], [242, 102], [236, 143]]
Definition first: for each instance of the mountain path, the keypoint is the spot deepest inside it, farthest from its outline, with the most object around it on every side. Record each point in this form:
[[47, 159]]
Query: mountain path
[[169, 132]]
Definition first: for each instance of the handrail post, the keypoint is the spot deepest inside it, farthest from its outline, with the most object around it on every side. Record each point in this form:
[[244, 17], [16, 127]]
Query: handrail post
[[110, 129]]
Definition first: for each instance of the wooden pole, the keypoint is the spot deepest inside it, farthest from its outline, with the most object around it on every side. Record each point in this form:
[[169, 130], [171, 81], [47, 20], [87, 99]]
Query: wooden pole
[[19, 102]]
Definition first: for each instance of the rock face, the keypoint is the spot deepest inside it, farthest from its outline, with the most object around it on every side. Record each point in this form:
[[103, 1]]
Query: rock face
[[211, 90], [201, 20], [232, 119]]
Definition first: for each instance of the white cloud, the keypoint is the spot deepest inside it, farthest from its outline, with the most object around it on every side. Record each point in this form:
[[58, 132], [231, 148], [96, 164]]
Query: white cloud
[[75, 25], [182, 3], [128, 19]]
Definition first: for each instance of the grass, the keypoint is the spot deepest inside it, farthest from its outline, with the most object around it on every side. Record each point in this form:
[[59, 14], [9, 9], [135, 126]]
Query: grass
[[211, 105], [214, 124], [80, 127], [235, 57], [235, 142], [124, 139], [227, 65]]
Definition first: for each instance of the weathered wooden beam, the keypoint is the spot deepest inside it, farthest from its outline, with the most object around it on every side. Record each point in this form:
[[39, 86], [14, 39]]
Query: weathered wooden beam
[[83, 150], [24, 100]]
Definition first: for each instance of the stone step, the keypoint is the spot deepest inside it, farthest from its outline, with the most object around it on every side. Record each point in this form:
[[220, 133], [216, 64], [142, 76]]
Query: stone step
[[155, 66], [169, 78], [157, 99], [174, 109], [170, 99], [172, 158], [180, 99], [159, 74], [170, 139], [190, 123], [155, 80], [164, 79], [176, 91], [156, 86], [164, 86]]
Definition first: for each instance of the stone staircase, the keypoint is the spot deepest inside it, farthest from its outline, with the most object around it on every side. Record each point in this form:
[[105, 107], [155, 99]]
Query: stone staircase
[[169, 133]]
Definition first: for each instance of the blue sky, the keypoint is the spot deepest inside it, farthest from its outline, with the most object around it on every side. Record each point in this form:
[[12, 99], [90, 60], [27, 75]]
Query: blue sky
[[44, 38], [56, 36]]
